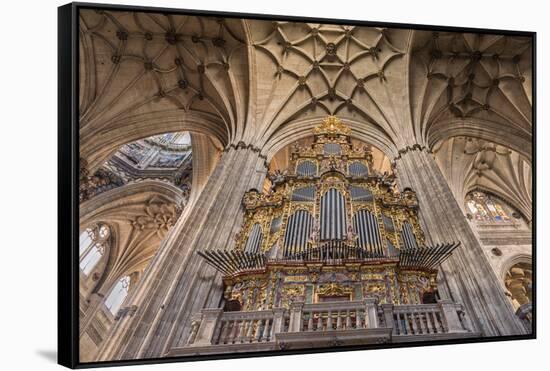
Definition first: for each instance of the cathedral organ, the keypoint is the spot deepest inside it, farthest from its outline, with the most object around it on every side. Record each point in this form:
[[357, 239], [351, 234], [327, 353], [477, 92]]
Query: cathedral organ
[[330, 230], [272, 241]]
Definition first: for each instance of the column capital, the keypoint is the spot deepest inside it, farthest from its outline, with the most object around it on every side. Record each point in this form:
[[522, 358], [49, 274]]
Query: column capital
[[241, 145], [296, 306], [370, 301], [413, 148], [278, 310]]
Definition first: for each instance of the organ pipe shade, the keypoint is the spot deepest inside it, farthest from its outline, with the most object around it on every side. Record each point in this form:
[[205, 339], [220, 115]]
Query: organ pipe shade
[[360, 194], [388, 223], [275, 224], [358, 169], [332, 149], [306, 168], [304, 194], [254, 239], [392, 251], [298, 230], [365, 226], [407, 236], [333, 216]]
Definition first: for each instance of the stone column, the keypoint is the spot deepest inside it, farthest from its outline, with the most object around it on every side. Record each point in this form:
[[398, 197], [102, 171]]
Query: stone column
[[278, 322], [178, 282], [388, 315], [295, 322], [209, 321], [448, 309], [467, 276], [371, 312], [95, 301]]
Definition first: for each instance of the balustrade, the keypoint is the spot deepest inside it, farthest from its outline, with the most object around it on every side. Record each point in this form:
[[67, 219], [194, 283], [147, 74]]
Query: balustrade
[[215, 327]]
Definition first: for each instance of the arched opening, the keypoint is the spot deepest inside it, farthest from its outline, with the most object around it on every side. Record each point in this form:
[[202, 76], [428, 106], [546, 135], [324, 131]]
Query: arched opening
[[518, 281], [491, 181], [117, 295], [166, 157], [95, 242], [483, 207]]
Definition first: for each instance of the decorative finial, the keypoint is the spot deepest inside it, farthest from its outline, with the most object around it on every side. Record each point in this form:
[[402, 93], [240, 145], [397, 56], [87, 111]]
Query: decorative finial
[[332, 125]]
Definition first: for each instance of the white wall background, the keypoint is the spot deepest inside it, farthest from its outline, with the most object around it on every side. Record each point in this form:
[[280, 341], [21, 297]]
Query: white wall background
[[28, 185]]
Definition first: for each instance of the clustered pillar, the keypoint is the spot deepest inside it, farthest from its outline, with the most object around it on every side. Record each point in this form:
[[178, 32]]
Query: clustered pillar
[[178, 282], [466, 277]]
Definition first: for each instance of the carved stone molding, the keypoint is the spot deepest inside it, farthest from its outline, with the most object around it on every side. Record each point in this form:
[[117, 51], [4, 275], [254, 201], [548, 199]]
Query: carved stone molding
[[158, 215]]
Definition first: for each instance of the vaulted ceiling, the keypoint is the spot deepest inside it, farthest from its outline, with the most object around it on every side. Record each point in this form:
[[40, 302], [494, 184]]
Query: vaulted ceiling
[[472, 84], [144, 74], [314, 70], [269, 83], [474, 164]]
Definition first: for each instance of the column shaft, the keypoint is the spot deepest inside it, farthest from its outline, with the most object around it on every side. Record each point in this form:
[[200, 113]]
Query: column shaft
[[467, 275], [178, 283]]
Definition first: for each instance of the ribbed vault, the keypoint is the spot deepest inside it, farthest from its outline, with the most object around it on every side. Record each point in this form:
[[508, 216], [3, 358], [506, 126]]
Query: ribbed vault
[[470, 164], [258, 82], [246, 90], [483, 80], [140, 215], [143, 68], [314, 70]]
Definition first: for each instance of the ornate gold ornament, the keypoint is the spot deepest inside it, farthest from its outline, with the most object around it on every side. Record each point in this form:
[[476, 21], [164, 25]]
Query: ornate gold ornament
[[332, 125], [267, 277]]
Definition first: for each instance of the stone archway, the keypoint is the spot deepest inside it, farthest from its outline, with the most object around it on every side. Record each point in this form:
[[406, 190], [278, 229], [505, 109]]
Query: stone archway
[[518, 281]]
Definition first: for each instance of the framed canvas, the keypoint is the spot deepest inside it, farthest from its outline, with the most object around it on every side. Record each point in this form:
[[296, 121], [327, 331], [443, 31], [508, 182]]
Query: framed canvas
[[236, 185]]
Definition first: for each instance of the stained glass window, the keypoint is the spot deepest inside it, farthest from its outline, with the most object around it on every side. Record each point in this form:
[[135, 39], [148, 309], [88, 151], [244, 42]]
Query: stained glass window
[[90, 260], [86, 240], [92, 246], [118, 294], [483, 207]]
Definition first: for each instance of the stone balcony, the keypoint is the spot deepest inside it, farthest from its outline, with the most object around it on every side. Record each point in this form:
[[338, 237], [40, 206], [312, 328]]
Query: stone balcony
[[321, 325]]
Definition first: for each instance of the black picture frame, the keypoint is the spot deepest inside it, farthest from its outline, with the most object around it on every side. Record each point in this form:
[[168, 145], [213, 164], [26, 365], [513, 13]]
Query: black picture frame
[[68, 180]]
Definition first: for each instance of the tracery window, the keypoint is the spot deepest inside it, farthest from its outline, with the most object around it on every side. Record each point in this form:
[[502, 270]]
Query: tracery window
[[483, 207], [93, 243], [118, 294]]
